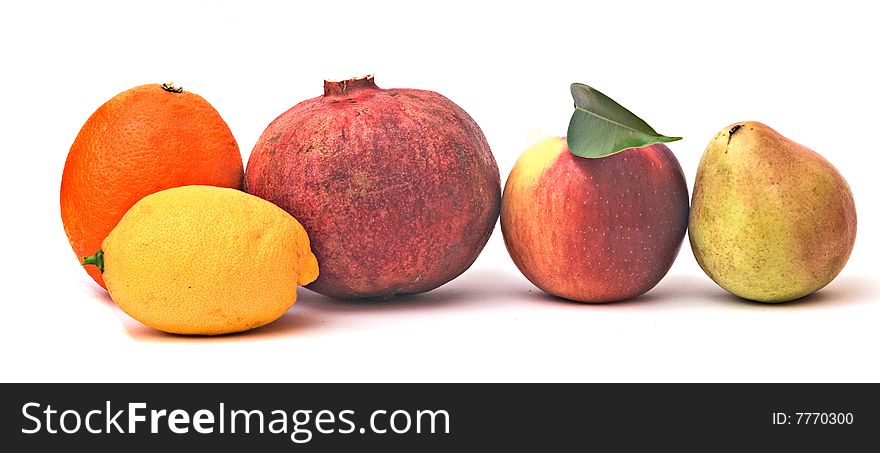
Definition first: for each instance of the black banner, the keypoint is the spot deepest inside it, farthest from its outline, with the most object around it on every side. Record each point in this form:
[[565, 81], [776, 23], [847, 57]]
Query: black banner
[[418, 417]]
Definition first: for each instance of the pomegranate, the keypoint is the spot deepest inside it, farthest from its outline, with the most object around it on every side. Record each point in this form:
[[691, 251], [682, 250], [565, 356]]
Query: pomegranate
[[397, 188]]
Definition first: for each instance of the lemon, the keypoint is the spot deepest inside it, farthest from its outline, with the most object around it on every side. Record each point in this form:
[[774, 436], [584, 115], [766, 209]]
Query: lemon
[[205, 260]]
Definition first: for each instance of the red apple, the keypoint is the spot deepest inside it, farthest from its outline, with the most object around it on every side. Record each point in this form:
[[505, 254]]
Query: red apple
[[594, 230]]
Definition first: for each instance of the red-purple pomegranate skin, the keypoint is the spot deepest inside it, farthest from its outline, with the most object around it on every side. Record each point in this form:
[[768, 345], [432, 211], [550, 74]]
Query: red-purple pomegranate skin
[[397, 188]]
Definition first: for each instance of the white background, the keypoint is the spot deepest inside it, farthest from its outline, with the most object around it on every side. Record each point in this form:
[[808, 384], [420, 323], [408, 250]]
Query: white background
[[689, 69]]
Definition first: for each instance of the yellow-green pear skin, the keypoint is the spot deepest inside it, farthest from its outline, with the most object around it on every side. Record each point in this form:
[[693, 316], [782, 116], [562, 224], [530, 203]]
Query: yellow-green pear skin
[[771, 220]]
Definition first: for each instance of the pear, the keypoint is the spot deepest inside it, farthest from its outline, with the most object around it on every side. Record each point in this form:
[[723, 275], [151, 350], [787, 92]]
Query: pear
[[771, 220]]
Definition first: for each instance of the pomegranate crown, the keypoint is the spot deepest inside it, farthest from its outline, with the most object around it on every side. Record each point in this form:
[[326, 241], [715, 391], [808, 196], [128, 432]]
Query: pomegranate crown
[[341, 87]]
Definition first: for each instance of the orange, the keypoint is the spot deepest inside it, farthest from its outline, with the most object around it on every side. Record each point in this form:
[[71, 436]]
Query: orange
[[143, 140]]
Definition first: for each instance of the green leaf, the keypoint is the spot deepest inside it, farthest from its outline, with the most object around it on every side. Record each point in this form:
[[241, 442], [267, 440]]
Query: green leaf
[[601, 127]]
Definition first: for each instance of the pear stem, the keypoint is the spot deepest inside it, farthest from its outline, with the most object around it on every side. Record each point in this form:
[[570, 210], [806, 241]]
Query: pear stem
[[95, 260]]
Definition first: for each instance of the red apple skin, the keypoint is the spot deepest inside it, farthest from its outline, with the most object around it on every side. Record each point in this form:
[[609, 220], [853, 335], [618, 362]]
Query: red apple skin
[[594, 230]]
